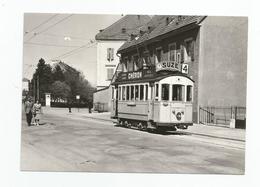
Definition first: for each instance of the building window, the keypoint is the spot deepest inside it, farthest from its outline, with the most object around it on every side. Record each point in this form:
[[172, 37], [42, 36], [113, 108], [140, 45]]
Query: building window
[[158, 55], [188, 50], [125, 64], [177, 92], [130, 65], [189, 93], [172, 52], [110, 54], [165, 92], [110, 73]]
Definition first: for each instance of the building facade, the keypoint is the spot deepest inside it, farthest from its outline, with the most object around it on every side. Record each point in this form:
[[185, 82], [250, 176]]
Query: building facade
[[211, 50], [109, 41]]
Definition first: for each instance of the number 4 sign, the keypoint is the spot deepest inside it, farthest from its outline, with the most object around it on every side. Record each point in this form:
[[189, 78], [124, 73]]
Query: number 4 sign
[[185, 68]]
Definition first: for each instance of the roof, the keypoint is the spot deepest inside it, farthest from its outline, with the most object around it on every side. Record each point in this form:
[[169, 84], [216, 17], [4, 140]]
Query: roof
[[160, 26], [131, 24], [148, 76]]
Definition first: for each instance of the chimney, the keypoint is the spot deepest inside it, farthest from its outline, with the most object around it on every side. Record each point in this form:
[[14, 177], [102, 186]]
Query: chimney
[[132, 36], [141, 32], [149, 29], [167, 20]]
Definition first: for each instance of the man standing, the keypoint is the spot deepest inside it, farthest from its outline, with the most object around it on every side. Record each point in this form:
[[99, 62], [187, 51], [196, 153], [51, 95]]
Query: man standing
[[28, 110]]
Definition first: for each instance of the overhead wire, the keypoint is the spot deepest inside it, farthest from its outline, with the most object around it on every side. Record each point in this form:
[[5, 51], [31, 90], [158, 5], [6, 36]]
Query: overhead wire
[[35, 34], [69, 53], [52, 45], [46, 21]]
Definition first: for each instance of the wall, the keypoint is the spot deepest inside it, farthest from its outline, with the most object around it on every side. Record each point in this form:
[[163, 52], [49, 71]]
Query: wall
[[102, 62], [223, 61], [103, 96]]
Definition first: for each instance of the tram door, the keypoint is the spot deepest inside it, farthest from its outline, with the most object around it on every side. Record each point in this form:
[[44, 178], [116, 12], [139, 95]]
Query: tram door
[[151, 104], [114, 102]]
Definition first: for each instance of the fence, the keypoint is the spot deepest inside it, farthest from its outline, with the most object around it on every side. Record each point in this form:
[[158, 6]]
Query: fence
[[221, 115]]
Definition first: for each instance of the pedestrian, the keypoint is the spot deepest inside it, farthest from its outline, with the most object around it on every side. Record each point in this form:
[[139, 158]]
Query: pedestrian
[[69, 106], [37, 112], [28, 105]]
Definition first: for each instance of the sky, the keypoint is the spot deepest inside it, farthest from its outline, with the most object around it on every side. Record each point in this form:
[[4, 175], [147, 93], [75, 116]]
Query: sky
[[66, 37]]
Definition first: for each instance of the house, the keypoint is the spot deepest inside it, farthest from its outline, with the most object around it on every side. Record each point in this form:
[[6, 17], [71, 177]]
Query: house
[[211, 50], [108, 42]]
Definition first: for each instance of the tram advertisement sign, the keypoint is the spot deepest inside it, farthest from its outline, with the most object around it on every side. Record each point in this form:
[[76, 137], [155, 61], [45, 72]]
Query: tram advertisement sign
[[135, 75], [168, 65]]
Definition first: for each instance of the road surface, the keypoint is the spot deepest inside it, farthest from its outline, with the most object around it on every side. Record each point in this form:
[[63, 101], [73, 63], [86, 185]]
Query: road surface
[[67, 142]]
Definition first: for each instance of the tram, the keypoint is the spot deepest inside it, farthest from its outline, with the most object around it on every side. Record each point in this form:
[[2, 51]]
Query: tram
[[153, 100]]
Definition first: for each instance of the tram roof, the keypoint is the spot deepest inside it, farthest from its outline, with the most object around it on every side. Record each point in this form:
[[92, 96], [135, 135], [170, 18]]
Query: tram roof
[[147, 76]]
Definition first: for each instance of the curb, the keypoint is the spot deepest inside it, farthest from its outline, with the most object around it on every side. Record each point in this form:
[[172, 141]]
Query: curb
[[194, 133]]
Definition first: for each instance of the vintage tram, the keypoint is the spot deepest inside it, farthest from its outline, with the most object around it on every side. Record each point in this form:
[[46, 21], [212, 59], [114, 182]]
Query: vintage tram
[[153, 99]]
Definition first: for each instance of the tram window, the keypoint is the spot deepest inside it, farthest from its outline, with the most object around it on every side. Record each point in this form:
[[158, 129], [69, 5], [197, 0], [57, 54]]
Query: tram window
[[146, 92], [165, 92], [136, 92], [119, 93], [132, 93], [156, 91], [141, 92], [127, 93], [113, 92], [177, 92], [123, 93], [189, 93]]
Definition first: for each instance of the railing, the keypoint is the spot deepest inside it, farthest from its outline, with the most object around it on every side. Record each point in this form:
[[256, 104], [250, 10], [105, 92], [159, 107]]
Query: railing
[[221, 115]]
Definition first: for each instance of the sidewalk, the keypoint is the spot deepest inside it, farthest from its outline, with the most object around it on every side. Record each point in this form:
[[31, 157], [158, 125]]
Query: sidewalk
[[196, 129]]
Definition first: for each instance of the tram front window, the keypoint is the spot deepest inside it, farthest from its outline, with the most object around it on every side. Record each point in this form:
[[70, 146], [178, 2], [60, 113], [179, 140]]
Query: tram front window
[[165, 92], [127, 93], [189, 93], [177, 92]]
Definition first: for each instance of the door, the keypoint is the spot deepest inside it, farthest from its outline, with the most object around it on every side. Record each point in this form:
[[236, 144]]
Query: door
[[151, 104]]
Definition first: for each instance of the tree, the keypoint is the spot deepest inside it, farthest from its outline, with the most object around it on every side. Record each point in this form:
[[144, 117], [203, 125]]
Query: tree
[[42, 78], [58, 74], [60, 90]]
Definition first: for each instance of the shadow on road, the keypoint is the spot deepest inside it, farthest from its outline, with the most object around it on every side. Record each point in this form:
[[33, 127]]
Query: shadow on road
[[158, 132]]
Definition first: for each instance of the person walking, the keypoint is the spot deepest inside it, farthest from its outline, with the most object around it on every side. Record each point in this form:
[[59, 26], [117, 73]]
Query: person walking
[[37, 112], [28, 105]]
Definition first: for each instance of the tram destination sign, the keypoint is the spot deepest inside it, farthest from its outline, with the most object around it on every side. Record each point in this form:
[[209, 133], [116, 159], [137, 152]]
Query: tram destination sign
[[168, 65]]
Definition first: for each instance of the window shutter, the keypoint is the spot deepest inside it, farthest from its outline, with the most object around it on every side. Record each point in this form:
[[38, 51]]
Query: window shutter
[[182, 53], [112, 53], [192, 50], [108, 53]]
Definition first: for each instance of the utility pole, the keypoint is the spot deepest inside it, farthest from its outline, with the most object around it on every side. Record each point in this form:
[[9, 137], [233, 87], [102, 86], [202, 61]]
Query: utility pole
[[34, 89], [38, 88]]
